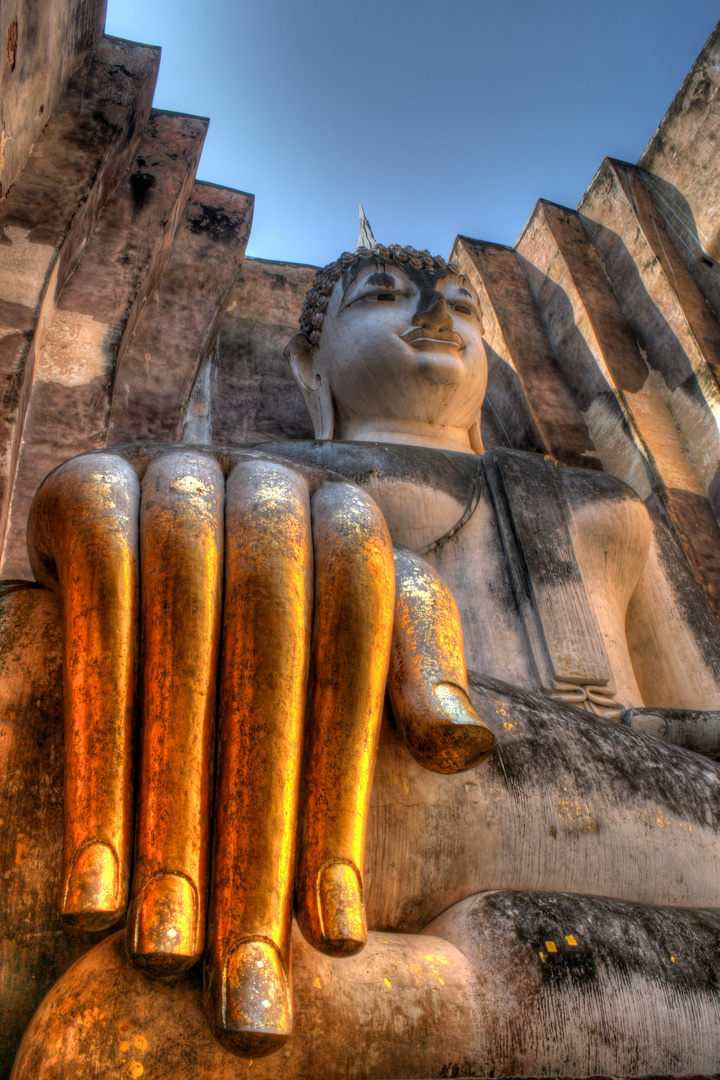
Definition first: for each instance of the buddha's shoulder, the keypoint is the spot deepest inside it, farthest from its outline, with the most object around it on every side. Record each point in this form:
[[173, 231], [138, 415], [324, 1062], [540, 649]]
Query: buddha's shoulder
[[456, 473], [537, 474], [365, 462]]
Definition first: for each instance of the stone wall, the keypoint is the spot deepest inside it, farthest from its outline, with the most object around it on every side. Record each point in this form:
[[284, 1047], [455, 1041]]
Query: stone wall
[[115, 269]]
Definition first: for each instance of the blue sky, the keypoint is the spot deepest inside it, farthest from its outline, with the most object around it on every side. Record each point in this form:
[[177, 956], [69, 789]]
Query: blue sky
[[440, 116]]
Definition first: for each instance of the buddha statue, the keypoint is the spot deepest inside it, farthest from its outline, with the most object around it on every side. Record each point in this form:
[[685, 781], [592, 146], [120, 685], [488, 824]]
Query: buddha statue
[[500, 868]]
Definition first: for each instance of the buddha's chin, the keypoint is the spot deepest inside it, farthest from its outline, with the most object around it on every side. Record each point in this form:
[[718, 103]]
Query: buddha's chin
[[444, 369]]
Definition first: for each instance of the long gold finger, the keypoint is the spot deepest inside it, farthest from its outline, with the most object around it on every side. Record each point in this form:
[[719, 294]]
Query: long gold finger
[[181, 540], [427, 681], [354, 596], [266, 647], [82, 540]]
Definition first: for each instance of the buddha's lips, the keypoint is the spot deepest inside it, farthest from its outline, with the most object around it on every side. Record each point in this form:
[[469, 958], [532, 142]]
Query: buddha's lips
[[417, 334]]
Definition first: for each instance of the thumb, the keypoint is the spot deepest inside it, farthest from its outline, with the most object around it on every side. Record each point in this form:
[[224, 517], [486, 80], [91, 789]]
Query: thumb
[[427, 679]]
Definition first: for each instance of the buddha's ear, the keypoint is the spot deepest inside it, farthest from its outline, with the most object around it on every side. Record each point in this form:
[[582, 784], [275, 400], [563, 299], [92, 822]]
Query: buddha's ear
[[314, 387]]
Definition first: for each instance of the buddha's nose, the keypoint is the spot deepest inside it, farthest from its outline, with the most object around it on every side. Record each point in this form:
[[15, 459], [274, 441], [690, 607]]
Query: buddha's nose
[[432, 312]]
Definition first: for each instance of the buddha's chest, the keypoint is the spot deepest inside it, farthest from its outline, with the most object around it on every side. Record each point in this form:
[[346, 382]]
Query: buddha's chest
[[542, 561], [542, 589]]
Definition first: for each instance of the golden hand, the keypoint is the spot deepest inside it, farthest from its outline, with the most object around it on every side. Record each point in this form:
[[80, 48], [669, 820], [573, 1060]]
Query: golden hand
[[282, 580]]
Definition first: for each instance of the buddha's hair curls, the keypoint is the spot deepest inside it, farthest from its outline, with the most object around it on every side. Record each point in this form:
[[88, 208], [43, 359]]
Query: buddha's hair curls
[[318, 295]]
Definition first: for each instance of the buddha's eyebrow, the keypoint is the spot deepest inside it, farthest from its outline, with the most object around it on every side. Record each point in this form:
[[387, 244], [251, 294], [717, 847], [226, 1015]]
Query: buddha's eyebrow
[[381, 278], [460, 288]]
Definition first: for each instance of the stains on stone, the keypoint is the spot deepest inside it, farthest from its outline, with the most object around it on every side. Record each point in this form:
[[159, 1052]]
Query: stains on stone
[[696, 528], [16, 316], [218, 224], [675, 948], [514, 327], [689, 595], [141, 184], [552, 741], [118, 70], [584, 488], [447, 471], [460, 1070], [12, 44], [13, 388], [704, 89], [713, 489]]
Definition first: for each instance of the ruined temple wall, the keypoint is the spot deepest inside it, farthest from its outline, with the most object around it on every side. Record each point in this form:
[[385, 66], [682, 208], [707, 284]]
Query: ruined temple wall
[[682, 166], [115, 263], [42, 44], [246, 392]]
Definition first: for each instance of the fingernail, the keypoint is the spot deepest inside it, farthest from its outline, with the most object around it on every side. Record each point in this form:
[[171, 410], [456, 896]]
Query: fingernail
[[90, 898], [248, 1000], [161, 935], [470, 739], [342, 909]]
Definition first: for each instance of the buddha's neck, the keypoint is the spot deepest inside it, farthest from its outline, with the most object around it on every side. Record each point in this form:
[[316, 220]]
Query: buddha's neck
[[408, 432]]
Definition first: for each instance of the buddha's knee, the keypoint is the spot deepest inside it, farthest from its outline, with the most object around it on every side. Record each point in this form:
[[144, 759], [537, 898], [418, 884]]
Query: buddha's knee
[[586, 985], [402, 1007]]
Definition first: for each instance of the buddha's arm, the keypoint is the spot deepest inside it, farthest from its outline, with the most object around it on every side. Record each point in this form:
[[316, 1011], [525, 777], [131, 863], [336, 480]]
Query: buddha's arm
[[672, 633]]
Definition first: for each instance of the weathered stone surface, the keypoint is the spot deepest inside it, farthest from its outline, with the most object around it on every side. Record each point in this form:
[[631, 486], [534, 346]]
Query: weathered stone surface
[[42, 44], [516, 338], [178, 327], [134, 313], [630, 423], [389, 1012], [684, 175], [68, 403], [592, 342], [48, 216], [699, 732], [572, 337], [252, 395], [546, 962], [677, 331], [418, 862], [538, 814]]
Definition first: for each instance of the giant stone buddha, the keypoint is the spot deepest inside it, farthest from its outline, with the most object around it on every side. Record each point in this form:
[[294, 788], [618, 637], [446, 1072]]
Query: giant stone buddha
[[508, 865]]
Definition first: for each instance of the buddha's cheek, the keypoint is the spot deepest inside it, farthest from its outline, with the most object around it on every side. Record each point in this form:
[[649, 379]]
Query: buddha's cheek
[[377, 385]]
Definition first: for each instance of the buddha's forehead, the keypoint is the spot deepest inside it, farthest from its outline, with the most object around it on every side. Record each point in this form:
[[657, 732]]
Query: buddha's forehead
[[421, 277]]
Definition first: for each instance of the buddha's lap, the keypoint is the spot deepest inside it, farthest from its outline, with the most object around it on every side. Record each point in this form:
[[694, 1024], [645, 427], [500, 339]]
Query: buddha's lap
[[565, 802], [489, 988]]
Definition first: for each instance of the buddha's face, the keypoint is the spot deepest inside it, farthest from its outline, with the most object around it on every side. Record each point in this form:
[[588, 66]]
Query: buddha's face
[[402, 345]]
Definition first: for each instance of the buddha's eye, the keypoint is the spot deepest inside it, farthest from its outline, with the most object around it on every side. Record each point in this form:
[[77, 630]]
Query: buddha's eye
[[386, 296], [462, 308]]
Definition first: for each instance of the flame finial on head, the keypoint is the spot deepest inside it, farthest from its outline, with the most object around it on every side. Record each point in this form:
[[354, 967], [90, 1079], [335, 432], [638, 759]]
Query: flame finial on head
[[365, 236]]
